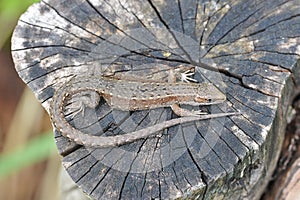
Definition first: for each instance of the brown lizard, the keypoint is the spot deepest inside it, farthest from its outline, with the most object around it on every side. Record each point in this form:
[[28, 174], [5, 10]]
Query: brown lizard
[[125, 92]]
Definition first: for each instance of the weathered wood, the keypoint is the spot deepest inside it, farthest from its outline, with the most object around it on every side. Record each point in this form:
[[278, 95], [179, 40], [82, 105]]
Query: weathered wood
[[285, 180], [254, 45]]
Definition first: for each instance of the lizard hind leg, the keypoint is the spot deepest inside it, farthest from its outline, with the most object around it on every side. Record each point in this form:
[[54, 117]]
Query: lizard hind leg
[[78, 101]]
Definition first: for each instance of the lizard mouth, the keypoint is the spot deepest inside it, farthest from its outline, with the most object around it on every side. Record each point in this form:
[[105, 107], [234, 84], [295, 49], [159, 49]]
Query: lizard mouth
[[212, 102]]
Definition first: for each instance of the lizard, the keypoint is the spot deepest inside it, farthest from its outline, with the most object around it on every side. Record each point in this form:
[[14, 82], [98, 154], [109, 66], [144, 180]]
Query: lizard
[[130, 93]]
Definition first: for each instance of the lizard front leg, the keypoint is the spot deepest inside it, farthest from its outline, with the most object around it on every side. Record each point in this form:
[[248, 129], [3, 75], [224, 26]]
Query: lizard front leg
[[184, 75], [185, 112]]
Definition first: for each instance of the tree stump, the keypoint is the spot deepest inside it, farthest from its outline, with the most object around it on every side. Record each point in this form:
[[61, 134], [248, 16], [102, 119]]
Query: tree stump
[[249, 49]]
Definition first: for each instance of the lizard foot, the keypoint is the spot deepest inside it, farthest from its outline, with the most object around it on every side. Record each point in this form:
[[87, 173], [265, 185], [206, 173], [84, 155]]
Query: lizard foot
[[79, 101], [74, 109], [185, 76], [186, 113]]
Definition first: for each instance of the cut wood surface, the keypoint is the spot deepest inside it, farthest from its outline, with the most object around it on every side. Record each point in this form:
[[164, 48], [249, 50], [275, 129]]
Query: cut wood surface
[[249, 49]]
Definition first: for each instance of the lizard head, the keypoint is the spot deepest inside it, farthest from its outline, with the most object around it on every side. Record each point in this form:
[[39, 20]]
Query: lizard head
[[208, 94]]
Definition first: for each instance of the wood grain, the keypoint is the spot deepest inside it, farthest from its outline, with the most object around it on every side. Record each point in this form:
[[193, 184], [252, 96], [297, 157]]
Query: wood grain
[[249, 49]]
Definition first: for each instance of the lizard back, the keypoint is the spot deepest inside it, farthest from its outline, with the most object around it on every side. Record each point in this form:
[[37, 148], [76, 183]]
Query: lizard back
[[136, 95]]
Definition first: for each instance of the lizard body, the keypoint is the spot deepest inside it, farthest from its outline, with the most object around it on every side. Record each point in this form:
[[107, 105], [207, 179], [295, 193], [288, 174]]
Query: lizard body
[[125, 93]]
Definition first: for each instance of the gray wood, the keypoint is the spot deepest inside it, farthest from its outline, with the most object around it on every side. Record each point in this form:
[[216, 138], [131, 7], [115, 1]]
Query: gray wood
[[253, 45]]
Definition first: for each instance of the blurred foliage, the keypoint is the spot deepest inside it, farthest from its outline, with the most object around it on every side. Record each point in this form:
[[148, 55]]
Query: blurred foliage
[[10, 11], [40, 147], [36, 150], [12, 8]]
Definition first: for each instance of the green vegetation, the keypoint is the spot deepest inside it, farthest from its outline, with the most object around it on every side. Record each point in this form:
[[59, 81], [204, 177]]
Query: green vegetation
[[36, 150], [40, 147], [10, 11]]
